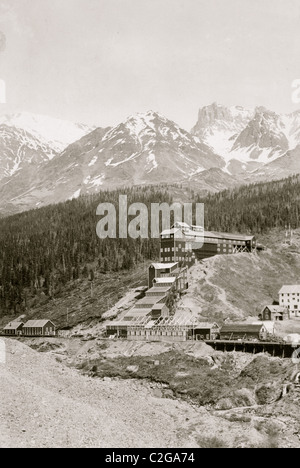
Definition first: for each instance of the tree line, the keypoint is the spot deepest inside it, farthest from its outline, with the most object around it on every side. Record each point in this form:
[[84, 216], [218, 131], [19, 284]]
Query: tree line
[[41, 250]]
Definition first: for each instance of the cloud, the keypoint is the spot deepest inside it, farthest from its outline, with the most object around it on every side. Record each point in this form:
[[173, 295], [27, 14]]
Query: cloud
[[2, 41]]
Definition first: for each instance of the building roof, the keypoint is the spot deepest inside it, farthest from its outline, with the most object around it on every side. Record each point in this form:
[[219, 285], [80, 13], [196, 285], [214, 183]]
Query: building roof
[[179, 224], [225, 235], [206, 325], [163, 266], [134, 317], [170, 279], [191, 230], [13, 325], [168, 232], [290, 289], [179, 320], [270, 326], [158, 306], [242, 328], [37, 323], [161, 289], [276, 309], [149, 300]]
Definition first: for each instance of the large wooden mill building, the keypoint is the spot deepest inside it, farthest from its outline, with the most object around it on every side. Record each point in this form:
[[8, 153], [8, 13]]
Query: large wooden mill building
[[185, 244]]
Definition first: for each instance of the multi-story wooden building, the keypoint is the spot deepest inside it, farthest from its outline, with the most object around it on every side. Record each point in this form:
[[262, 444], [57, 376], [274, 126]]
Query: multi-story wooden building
[[185, 244], [163, 279], [168, 274], [289, 297]]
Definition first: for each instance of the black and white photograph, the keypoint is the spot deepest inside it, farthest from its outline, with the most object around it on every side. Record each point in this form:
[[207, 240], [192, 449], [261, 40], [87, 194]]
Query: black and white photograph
[[150, 226]]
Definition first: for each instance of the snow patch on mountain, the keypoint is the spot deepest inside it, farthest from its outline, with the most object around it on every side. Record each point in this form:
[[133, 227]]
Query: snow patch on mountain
[[55, 132], [247, 135], [93, 161]]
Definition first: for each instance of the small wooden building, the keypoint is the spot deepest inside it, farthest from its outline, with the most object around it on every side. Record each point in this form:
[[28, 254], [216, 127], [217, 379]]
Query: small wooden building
[[13, 329], [206, 331], [243, 331], [274, 313], [39, 328]]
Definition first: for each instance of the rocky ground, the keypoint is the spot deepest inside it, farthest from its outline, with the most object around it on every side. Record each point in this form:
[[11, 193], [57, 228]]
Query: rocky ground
[[46, 403]]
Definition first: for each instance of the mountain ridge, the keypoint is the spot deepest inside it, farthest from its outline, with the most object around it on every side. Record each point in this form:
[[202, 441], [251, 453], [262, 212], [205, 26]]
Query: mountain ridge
[[228, 146]]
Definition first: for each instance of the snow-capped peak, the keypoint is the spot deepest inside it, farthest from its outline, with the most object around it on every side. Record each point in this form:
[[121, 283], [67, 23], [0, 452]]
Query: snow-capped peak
[[254, 136], [141, 121], [55, 132]]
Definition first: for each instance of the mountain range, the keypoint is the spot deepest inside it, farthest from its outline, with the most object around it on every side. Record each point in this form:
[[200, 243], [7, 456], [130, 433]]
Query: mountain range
[[45, 160]]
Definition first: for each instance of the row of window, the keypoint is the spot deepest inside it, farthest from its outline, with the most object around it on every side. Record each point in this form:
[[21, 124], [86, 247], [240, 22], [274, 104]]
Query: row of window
[[187, 248], [156, 333], [288, 300], [178, 259], [290, 294]]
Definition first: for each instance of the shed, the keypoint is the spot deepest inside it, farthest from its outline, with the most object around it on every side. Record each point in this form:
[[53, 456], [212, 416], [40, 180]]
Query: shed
[[13, 328], [39, 328], [243, 331], [207, 331]]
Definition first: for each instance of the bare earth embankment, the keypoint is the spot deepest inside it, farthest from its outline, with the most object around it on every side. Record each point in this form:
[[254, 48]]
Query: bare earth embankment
[[45, 403]]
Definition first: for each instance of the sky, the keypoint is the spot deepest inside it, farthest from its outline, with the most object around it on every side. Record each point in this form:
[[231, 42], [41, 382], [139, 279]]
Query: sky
[[99, 61]]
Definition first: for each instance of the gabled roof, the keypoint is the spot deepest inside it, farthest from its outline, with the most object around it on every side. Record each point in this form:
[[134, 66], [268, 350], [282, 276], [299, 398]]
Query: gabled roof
[[276, 309], [169, 280], [270, 326], [163, 266], [207, 325], [13, 325], [242, 328], [290, 289], [37, 323]]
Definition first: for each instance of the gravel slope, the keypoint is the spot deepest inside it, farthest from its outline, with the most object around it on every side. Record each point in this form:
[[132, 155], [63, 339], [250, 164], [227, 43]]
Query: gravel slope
[[44, 404]]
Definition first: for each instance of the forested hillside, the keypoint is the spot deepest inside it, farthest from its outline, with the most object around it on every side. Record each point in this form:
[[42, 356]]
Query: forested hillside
[[254, 208], [44, 251]]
